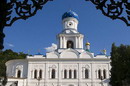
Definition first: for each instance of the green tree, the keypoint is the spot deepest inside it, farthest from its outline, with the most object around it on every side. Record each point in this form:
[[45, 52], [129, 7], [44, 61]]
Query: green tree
[[120, 62]]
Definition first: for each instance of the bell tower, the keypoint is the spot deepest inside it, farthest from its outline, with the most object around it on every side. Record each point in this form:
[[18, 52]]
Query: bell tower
[[70, 37]]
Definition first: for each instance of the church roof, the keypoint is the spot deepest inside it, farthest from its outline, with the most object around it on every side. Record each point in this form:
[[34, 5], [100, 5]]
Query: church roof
[[70, 14]]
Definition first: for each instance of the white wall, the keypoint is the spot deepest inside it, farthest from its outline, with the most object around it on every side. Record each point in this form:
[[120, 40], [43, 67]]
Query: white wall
[[60, 65], [14, 65]]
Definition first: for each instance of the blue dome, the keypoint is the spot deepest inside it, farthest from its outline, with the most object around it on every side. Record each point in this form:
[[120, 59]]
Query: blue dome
[[70, 14]]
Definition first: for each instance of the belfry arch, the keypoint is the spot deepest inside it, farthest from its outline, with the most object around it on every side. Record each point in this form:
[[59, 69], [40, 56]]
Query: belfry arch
[[70, 44]]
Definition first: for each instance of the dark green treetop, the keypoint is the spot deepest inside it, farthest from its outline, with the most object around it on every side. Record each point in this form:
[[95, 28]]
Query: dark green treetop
[[120, 62]]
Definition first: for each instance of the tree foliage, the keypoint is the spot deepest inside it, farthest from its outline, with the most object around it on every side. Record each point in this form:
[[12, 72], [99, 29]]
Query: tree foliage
[[120, 62], [6, 56]]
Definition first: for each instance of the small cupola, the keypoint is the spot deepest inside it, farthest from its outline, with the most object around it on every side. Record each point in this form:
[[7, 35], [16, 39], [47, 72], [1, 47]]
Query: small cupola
[[70, 14], [88, 46]]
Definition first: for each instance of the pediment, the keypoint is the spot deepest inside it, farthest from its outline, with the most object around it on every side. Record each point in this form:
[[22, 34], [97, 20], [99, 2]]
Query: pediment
[[86, 54], [52, 55], [69, 53]]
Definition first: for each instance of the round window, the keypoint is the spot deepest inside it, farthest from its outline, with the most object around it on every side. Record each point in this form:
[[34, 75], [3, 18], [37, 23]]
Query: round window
[[70, 23]]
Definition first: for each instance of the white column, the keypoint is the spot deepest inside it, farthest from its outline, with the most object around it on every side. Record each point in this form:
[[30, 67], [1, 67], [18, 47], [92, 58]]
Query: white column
[[83, 73], [97, 74], [21, 73], [79, 43], [60, 42], [50, 73], [37, 73], [79, 72], [102, 73], [16, 72], [59, 73], [82, 42], [64, 42], [106, 74], [42, 74], [62, 72], [92, 73], [76, 42], [67, 73], [72, 73], [31, 74], [56, 73], [46, 73]]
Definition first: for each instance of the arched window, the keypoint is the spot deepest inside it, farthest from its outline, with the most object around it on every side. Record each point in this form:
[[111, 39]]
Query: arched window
[[104, 74], [70, 74], [75, 74], [35, 74], [65, 73], [40, 74], [86, 74], [53, 74], [99, 74], [19, 74], [70, 44]]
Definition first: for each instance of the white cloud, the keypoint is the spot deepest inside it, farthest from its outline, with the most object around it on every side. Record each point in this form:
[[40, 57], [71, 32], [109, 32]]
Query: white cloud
[[52, 48], [10, 45]]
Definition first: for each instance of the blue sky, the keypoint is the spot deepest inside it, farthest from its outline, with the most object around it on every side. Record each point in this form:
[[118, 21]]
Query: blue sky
[[39, 31]]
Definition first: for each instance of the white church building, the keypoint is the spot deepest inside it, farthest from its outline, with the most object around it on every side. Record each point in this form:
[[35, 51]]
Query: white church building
[[68, 64]]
